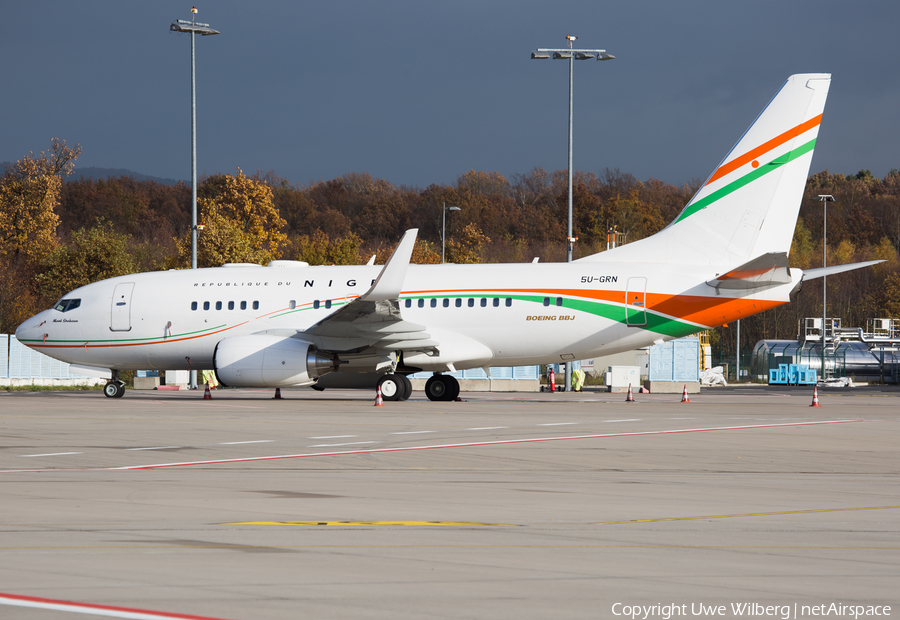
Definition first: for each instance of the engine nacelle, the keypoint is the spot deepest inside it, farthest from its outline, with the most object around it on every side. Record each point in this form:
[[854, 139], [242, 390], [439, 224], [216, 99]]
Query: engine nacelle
[[269, 361]]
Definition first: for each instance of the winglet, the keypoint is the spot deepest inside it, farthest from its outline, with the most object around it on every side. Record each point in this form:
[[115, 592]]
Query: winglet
[[389, 283]]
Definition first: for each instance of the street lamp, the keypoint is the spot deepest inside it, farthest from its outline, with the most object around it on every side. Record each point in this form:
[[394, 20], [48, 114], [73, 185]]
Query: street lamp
[[444, 227], [181, 25], [824, 199], [571, 55]]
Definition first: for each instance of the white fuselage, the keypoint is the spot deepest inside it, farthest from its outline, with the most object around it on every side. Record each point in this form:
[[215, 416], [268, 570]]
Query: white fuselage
[[521, 313]]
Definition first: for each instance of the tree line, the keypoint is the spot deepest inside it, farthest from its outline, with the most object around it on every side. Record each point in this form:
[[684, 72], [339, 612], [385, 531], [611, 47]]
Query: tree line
[[58, 234]]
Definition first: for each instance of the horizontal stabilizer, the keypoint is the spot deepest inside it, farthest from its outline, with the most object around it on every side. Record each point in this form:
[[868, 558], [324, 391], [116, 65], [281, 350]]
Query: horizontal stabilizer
[[766, 270], [812, 274]]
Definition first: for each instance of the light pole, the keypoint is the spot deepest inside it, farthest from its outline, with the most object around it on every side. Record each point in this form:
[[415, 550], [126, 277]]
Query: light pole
[[571, 55], [181, 25], [444, 227], [824, 199]]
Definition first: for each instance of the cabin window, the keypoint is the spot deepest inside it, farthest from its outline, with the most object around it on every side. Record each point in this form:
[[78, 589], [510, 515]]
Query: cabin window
[[496, 302], [206, 305], [291, 304], [256, 305], [559, 301], [421, 303], [231, 305], [193, 305], [458, 302], [546, 301], [484, 302], [433, 302], [471, 302], [243, 305], [446, 303], [409, 303], [64, 305], [316, 304], [327, 303], [218, 305], [508, 302]]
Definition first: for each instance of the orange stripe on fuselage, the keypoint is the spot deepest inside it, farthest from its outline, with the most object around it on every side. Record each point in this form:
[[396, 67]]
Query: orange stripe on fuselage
[[749, 156], [709, 311]]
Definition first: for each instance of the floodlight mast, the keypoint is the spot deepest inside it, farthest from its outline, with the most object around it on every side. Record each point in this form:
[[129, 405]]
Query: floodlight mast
[[193, 27], [571, 55]]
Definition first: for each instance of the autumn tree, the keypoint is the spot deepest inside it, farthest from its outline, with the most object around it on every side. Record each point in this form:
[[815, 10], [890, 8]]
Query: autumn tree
[[88, 256], [29, 192], [320, 249], [240, 223]]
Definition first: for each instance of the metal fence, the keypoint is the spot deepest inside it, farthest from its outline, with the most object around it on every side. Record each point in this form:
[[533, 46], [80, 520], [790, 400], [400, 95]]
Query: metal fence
[[20, 362]]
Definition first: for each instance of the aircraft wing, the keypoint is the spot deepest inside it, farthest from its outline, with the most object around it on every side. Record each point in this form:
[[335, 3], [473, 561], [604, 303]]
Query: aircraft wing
[[374, 318]]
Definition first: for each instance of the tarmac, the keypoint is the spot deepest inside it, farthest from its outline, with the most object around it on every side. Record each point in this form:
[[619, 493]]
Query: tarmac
[[504, 505]]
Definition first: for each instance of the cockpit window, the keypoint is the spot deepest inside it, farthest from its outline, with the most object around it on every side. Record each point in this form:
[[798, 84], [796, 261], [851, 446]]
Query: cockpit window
[[64, 305]]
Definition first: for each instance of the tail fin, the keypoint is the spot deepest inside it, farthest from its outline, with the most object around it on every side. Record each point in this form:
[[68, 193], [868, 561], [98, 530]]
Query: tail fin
[[749, 205]]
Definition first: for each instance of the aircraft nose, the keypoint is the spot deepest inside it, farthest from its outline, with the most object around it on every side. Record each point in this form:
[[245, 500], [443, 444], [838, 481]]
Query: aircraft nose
[[29, 328]]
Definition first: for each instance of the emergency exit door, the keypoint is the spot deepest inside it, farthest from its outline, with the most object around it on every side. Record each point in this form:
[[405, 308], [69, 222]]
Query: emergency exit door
[[120, 316], [636, 301]]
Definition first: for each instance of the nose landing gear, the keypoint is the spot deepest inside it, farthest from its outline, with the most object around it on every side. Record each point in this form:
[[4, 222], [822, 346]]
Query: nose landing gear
[[114, 388]]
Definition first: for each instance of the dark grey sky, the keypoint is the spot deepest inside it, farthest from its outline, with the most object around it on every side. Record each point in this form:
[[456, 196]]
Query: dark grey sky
[[419, 92]]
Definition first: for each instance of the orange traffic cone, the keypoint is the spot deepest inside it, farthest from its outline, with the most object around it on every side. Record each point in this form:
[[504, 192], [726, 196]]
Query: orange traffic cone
[[277, 394], [684, 396], [815, 402], [630, 397], [206, 394], [379, 402]]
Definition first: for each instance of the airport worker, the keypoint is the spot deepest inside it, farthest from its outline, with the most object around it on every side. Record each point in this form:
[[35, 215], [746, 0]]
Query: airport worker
[[209, 378], [577, 379]]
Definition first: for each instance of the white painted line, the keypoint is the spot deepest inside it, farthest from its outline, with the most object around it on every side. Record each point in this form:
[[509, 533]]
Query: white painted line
[[52, 454], [234, 443], [486, 428], [558, 424], [413, 432], [157, 448], [473, 444], [632, 420], [333, 437], [332, 445], [681, 418], [96, 610]]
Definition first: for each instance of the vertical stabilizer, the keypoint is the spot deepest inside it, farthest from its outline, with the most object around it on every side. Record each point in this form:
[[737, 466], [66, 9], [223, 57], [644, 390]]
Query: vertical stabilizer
[[749, 205]]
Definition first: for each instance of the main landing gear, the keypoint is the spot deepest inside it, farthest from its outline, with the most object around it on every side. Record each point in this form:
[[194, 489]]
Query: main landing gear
[[395, 387], [114, 388], [442, 387]]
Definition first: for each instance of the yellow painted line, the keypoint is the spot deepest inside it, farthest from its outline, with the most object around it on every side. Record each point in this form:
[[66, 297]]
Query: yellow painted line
[[228, 547], [749, 514], [374, 523]]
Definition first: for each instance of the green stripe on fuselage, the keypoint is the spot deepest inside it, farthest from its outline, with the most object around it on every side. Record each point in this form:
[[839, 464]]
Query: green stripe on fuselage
[[746, 179]]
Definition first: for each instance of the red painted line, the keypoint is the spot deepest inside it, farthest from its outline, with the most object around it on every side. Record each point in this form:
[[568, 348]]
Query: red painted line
[[434, 447], [100, 610]]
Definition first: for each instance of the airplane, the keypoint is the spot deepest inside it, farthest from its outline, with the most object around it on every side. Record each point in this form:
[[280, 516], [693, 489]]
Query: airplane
[[725, 257]]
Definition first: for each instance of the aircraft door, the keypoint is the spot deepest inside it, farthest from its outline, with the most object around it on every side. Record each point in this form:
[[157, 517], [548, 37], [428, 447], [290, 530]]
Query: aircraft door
[[120, 316], [636, 301]]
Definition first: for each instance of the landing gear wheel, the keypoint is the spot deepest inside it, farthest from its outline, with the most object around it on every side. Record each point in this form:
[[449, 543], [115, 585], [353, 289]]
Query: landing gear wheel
[[435, 388], [392, 387], [453, 390], [442, 387], [407, 387], [114, 389]]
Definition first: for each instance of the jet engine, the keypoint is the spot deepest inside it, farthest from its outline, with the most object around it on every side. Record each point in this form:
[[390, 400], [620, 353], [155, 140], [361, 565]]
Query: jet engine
[[269, 361]]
